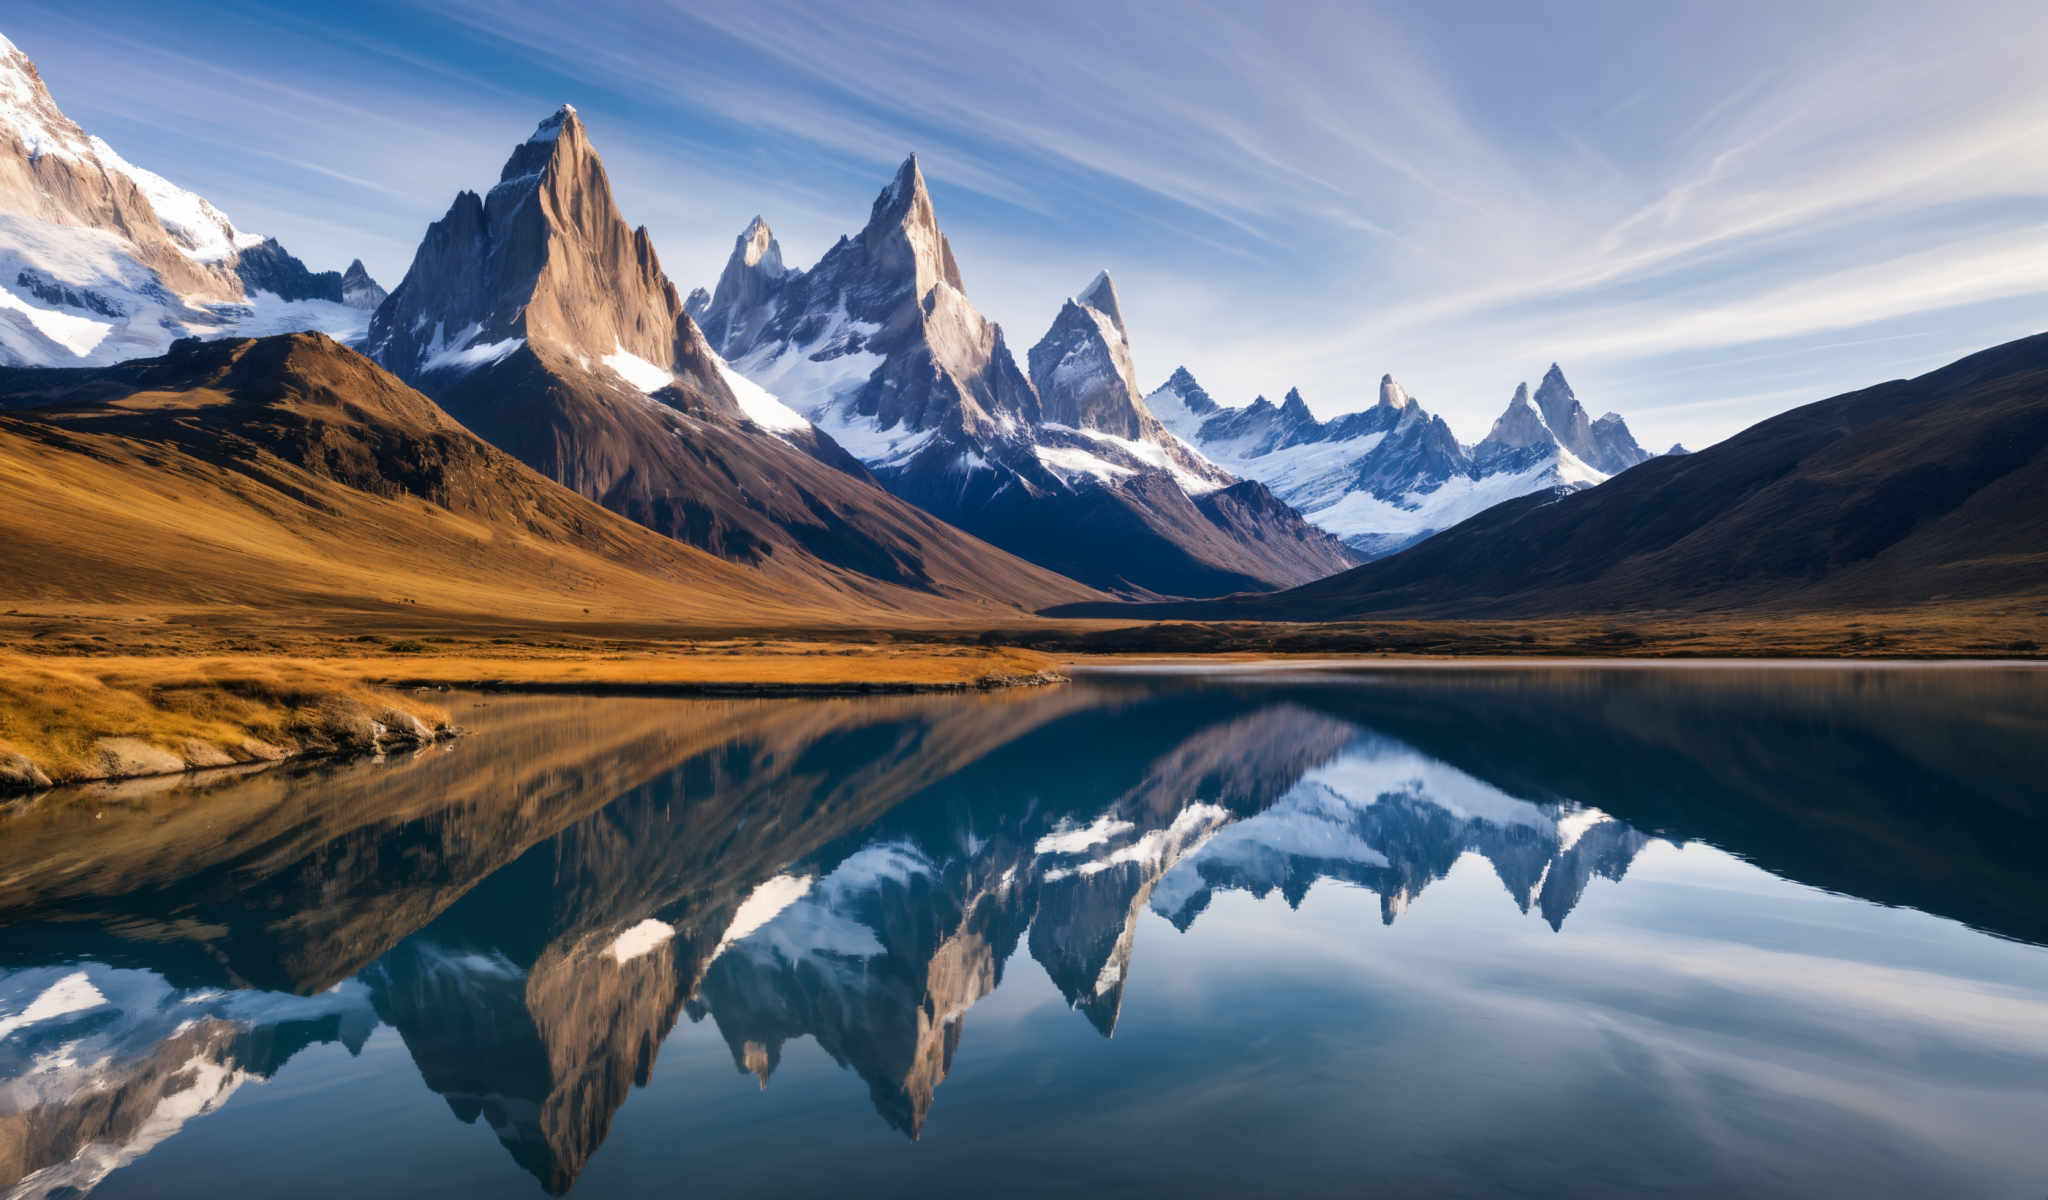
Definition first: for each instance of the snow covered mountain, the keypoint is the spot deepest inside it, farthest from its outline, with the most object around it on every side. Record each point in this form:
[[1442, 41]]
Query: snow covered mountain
[[1391, 475], [879, 345], [542, 321], [101, 260]]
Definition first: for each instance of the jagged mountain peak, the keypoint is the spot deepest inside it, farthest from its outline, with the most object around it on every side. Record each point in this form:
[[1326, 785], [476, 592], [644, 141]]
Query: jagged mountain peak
[[561, 120], [732, 314], [1100, 295], [1605, 444], [1563, 412], [1295, 408], [544, 261], [902, 234], [1083, 373], [1518, 434], [757, 247], [560, 137], [358, 289], [905, 199], [1192, 396], [1392, 394]]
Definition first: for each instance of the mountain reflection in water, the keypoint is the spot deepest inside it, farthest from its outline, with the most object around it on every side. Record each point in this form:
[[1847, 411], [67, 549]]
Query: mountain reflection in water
[[535, 909]]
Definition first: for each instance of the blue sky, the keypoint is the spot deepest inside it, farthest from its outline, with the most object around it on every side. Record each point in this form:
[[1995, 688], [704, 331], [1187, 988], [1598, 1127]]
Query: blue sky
[[1705, 213]]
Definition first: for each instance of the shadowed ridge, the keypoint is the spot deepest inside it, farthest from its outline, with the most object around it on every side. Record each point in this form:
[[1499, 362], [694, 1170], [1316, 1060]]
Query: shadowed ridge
[[1913, 492]]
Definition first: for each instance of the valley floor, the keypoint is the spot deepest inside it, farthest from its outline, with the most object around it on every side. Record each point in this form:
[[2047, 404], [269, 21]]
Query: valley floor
[[117, 691]]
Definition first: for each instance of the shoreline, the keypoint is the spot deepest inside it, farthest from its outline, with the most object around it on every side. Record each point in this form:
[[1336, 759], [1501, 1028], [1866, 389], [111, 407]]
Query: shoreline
[[1227, 663], [145, 707], [69, 721], [743, 689]]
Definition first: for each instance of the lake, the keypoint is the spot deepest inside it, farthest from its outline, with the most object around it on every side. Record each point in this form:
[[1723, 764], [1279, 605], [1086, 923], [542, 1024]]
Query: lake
[[1471, 931]]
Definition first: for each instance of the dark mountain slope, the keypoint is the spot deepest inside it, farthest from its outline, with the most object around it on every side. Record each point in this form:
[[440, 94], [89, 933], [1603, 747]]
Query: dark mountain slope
[[1912, 492], [294, 474]]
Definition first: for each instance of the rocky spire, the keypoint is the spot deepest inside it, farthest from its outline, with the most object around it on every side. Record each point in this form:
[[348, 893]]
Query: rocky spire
[[1519, 434], [902, 233], [1606, 445], [747, 290], [546, 260], [1100, 295], [1082, 367], [1392, 394], [1564, 414], [1295, 410], [757, 247], [1182, 383], [358, 290]]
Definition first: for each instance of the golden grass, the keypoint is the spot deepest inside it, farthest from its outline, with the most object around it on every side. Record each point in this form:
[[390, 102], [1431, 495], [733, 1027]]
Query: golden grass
[[55, 708], [53, 711]]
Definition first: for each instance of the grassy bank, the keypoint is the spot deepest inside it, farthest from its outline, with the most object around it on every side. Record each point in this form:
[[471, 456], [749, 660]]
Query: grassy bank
[[209, 686], [68, 716]]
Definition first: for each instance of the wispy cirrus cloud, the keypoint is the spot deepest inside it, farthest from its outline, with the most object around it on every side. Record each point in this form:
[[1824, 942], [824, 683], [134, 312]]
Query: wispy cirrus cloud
[[1682, 205]]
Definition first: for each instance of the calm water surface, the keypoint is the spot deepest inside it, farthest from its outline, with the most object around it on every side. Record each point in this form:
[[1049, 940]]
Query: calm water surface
[[1699, 932]]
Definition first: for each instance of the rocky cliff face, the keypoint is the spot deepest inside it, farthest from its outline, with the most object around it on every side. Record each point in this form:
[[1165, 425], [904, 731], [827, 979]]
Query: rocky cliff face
[[746, 292], [880, 346], [542, 260], [1520, 437], [542, 321], [102, 261], [1606, 445]]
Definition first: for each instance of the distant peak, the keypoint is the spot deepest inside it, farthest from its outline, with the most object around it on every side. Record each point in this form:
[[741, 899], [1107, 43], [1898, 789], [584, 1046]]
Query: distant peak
[[551, 128], [1392, 394], [1293, 405], [1521, 396], [1100, 295], [1181, 378], [1554, 387], [903, 192], [901, 220], [756, 246], [532, 158]]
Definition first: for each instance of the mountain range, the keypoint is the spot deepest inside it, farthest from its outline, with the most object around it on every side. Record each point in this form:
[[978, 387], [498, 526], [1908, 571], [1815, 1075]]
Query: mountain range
[[540, 320], [1908, 495], [878, 344], [1388, 476], [854, 440]]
